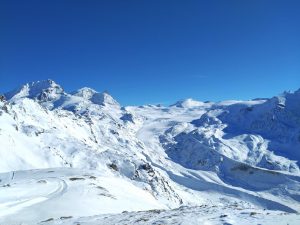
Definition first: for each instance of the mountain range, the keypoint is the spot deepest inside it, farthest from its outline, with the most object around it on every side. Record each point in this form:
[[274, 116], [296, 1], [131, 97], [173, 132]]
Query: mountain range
[[82, 158]]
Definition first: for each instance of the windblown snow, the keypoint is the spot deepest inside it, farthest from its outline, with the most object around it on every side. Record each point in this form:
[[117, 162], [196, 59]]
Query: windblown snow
[[82, 158]]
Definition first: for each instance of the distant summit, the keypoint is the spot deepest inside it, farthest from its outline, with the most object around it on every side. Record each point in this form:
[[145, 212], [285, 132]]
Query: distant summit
[[188, 103], [42, 90], [52, 95], [95, 97]]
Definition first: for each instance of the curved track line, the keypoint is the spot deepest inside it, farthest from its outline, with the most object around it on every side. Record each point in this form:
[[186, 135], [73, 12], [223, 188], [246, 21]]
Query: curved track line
[[11, 207]]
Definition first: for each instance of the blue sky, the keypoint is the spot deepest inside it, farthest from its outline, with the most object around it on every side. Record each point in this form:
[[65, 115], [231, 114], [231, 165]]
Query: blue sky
[[153, 51]]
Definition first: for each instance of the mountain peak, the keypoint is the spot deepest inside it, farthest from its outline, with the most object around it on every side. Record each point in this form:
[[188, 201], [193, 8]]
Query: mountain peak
[[48, 91], [95, 97], [42, 90], [187, 103], [104, 99], [84, 92]]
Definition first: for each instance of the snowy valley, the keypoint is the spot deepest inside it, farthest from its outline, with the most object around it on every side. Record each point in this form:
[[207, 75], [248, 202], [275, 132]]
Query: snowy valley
[[82, 158]]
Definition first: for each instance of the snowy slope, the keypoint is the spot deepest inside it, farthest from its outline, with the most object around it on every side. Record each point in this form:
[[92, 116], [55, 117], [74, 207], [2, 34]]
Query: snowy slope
[[189, 215], [59, 193], [242, 153]]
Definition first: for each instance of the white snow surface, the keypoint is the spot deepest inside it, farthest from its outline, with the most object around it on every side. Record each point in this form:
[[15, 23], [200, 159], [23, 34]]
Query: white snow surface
[[81, 158]]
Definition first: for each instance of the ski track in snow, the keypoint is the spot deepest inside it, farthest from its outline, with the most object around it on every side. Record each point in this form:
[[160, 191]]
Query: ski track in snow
[[12, 207]]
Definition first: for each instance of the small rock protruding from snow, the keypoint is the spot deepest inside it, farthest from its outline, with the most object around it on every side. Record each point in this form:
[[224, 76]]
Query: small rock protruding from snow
[[2, 98], [128, 117]]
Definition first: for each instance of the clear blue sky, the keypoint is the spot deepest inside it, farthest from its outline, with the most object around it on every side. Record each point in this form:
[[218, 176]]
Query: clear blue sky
[[151, 51]]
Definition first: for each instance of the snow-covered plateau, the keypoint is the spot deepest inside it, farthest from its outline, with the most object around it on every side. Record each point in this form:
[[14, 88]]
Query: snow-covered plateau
[[81, 158]]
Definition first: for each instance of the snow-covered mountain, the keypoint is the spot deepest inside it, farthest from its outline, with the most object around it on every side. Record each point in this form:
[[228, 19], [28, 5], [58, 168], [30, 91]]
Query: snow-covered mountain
[[77, 156]]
